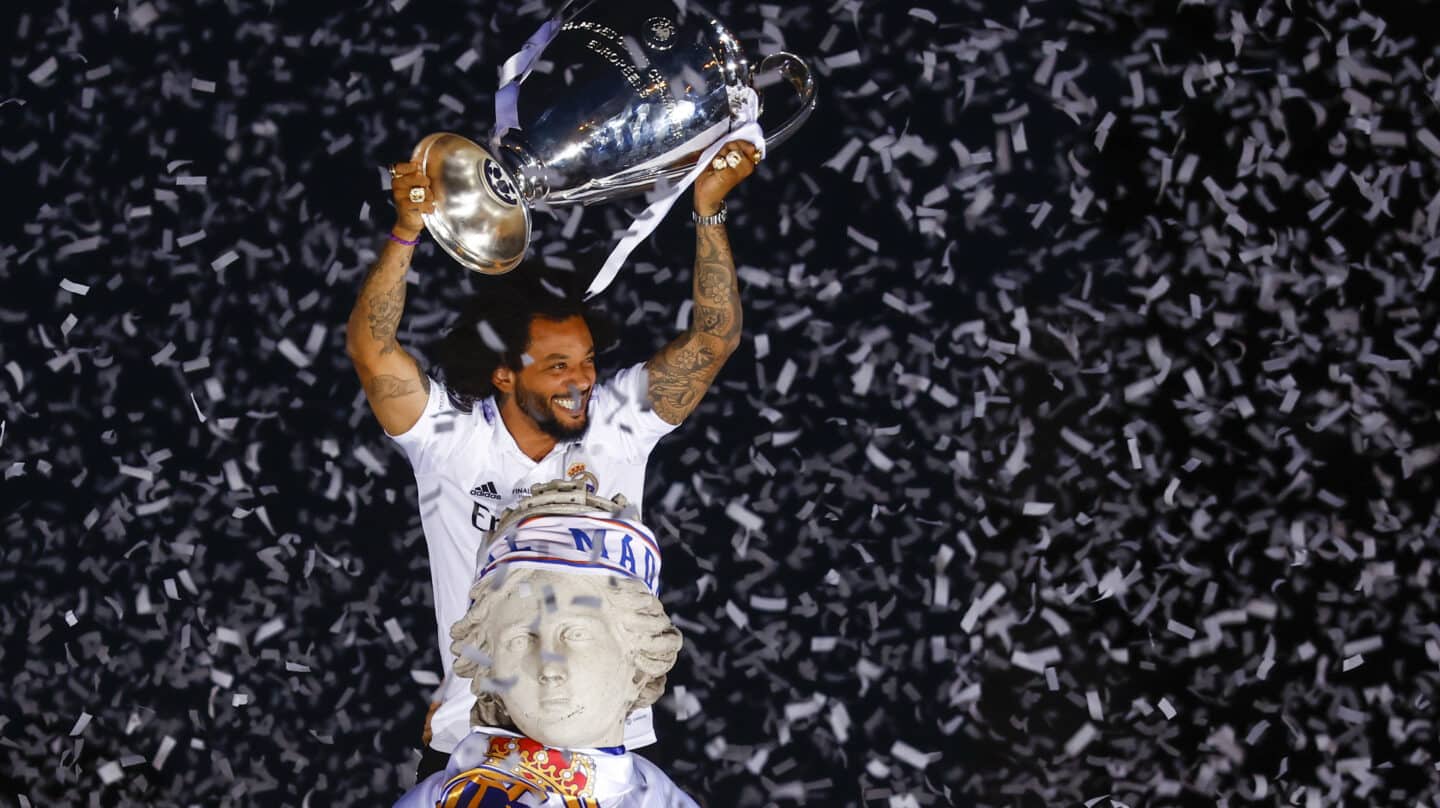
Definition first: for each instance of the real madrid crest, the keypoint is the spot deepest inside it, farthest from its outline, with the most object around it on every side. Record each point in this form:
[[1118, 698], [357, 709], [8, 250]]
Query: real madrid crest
[[578, 473], [660, 33]]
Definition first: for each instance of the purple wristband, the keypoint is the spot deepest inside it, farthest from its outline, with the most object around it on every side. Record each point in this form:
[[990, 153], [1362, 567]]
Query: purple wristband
[[399, 240]]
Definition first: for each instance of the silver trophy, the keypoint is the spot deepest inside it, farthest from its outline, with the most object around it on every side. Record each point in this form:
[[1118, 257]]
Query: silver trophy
[[637, 91]]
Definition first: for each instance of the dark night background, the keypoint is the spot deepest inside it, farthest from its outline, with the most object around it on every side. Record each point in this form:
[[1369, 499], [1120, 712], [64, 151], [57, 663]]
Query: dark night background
[[1192, 321]]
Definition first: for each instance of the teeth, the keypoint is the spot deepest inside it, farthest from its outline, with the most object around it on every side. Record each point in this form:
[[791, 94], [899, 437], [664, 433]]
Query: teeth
[[571, 403]]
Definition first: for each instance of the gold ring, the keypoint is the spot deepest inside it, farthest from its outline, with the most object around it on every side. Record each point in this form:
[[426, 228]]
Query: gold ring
[[757, 157], [719, 164], [417, 194], [733, 159], [393, 172]]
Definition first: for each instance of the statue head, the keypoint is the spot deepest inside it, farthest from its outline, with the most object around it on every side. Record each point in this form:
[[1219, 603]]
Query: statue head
[[565, 635]]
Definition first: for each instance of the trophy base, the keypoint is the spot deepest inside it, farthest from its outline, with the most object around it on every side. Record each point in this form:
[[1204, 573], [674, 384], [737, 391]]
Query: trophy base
[[480, 218]]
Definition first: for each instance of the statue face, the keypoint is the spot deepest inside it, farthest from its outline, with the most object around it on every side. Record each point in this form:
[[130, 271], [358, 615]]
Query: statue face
[[566, 663]]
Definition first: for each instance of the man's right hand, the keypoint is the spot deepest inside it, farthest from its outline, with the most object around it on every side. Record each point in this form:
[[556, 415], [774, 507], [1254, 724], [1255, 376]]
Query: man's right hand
[[408, 223]]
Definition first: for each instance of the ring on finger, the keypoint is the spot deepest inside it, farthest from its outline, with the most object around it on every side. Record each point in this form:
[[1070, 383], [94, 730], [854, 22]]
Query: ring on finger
[[719, 163], [733, 159], [393, 172], [417, 194]]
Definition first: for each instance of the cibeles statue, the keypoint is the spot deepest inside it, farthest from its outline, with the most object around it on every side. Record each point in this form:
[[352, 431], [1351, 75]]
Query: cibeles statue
[[565, 639]]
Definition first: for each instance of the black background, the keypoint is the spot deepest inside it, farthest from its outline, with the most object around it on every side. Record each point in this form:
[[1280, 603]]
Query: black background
[[859, 489]]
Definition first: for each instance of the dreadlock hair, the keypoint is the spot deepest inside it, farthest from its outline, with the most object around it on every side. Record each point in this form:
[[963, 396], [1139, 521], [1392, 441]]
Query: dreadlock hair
[[494, 327]]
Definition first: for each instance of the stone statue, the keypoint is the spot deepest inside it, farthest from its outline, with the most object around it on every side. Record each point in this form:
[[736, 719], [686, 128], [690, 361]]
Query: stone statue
[[569, 656], [564, 638]]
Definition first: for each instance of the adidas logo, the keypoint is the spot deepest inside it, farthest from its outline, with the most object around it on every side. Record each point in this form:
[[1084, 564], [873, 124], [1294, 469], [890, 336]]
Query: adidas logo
[[487, 490]]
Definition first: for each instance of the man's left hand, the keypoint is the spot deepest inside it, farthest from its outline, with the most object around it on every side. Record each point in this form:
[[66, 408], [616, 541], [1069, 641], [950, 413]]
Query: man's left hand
[[714, 183]]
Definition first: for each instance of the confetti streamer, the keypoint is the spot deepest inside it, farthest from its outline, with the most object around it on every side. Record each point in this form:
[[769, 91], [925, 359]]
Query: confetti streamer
[[1080, 448]]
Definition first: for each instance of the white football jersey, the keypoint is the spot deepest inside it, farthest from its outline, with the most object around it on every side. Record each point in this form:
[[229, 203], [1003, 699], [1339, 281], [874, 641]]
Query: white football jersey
[[469, 470]]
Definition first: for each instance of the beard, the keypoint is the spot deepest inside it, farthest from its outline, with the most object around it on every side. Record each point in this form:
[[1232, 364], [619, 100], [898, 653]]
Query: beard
[[542, 410]]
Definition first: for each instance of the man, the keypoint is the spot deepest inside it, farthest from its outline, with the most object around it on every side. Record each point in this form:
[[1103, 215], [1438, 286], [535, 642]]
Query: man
[[564, 637], [516, 401]]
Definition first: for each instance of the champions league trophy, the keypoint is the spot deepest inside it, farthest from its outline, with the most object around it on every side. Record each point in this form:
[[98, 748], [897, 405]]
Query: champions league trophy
[[565, 636], [637, 92]]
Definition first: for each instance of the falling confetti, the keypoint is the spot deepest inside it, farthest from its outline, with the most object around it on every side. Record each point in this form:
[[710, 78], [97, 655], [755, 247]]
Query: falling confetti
[[1081, 449]]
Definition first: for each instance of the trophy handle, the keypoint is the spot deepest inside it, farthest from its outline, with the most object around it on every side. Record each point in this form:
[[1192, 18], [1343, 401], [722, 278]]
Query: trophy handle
[[794, 69]]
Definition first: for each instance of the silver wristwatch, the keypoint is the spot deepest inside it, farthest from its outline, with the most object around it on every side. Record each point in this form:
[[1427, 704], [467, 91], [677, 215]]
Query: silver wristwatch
[[718, 217]]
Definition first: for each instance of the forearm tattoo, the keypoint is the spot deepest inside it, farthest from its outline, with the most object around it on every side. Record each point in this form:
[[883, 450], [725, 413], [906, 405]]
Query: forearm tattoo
[[717, 292], [377, 314], [683, 370], [383, 296]]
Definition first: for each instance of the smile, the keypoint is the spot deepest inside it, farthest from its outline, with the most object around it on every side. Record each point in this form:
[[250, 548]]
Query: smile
[[572, 405]]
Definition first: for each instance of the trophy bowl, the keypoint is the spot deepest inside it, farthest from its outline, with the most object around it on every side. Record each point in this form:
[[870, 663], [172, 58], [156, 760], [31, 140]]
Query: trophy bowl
[[478, 218], [636, 91]]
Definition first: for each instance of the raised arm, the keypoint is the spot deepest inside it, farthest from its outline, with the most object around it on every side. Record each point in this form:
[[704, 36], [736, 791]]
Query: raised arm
[[394, 384], [685, 368]]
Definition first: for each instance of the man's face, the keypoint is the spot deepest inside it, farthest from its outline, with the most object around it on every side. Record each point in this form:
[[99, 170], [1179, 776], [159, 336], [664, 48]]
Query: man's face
[[553, 387], [565, 668]]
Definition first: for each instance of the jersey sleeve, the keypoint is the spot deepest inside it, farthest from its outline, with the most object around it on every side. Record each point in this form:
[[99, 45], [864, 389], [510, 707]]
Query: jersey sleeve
[[622, 408], [430, 440]]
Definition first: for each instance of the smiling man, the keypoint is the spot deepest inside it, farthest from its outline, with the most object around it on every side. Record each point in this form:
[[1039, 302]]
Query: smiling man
[[515, 400]]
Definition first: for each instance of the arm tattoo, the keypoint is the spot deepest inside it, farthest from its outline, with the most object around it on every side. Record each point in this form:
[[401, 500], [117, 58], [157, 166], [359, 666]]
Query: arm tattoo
[[684, 369], [679, 377], [383, 297], [711, 320], [397, 388], [717, 293], [386, 386], [385, 310]]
